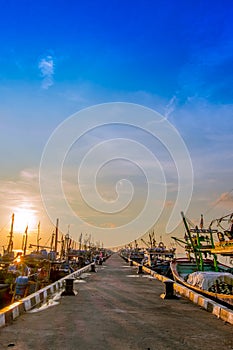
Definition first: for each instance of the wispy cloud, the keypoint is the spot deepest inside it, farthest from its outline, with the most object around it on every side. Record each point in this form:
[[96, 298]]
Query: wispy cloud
[[46, 67], [24, 189], [225, 199], [170, 107]]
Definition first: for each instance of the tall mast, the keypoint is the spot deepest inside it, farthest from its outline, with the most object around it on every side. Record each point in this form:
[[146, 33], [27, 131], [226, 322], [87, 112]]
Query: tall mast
[[25, 241], [191, 240], [56, 236], [38, 238], [10, 243], [80, 241], [52, 240], [214, 255]]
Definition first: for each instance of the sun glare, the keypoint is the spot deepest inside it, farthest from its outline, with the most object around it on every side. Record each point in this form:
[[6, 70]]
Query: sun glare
[[24, 217]]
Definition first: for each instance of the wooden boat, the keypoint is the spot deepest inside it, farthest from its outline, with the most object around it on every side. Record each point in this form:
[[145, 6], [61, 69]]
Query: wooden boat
[[155, 256], [130, 253], [136, 255], [5, 296], [217, 285], [224, 246], [25, 274], [158, 259], [204, 275], [8, 253]]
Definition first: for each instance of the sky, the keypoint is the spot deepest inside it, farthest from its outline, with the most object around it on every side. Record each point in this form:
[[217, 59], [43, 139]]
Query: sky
[[62, 57]]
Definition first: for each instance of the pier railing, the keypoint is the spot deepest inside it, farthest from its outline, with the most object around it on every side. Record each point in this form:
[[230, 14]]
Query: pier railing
[[9, 313]]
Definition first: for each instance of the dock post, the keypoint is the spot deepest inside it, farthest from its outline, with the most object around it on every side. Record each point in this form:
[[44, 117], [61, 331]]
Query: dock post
[[93, 267], [69, 287], [140, 271], [169, 290]]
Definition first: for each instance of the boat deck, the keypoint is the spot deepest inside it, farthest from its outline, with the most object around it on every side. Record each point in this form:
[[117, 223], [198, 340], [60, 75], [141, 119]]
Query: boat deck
[[116, 308]]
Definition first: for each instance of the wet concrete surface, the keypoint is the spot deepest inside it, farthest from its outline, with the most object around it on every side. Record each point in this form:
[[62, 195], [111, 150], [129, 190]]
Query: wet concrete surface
[[118, 309]]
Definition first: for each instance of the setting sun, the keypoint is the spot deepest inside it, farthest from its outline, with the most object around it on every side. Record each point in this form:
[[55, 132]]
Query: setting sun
[[24, 217]]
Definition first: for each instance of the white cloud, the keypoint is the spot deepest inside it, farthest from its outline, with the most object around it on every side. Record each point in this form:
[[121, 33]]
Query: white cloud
[[46, 67]]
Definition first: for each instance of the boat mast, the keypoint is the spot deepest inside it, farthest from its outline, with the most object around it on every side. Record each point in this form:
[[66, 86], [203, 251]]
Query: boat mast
[[52, 240], [214, 255], [80, 241], [191, 240], [10, 243], [198, 248], [25, 241], [38, 238], [56, 237]]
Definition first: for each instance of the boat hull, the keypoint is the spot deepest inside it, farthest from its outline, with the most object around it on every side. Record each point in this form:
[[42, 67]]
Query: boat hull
[[5, 296], [181, 268]]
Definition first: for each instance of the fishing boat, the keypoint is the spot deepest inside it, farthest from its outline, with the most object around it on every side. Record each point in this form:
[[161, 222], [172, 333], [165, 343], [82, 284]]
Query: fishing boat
[[158, 258], [200, 270], [8, 253], [22, 274], [26, 273], [132, 252], [217, 285], [5, 297], [224, 245]]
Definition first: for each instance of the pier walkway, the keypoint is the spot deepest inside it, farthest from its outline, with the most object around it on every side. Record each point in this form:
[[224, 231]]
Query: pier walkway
[[115, 308]]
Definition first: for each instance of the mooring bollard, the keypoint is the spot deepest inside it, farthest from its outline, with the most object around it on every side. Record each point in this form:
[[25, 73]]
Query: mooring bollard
[[93, 267], [169, 290], [140, 271], [69, 287]]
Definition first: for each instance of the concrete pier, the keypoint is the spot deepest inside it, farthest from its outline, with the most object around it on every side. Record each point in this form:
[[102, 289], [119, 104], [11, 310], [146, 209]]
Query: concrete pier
[[117, 308]]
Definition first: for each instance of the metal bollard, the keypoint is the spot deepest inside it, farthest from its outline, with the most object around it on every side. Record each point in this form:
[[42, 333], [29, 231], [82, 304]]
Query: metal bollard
[[69, 287], [169, 291], [93, 267]]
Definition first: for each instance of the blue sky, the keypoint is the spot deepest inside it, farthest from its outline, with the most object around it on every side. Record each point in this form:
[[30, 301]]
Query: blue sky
[[58, 57]]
